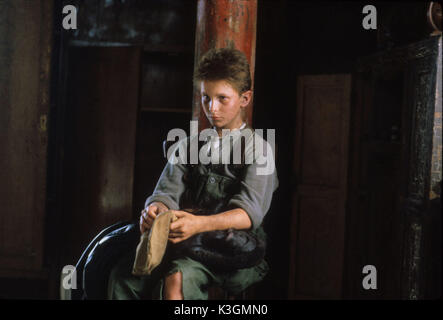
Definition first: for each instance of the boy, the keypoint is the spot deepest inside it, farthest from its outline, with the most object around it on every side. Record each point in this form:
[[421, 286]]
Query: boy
[[232, 196]]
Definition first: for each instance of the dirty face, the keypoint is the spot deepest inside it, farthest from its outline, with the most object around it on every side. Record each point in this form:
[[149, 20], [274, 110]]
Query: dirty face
[[222, 104]]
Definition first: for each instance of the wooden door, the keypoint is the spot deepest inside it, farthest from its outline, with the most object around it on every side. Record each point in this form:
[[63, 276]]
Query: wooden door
[[319, 194], [103, 90], [374, 227]]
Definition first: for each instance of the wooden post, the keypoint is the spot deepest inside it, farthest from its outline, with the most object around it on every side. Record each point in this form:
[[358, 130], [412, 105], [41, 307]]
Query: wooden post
[[224, 24]]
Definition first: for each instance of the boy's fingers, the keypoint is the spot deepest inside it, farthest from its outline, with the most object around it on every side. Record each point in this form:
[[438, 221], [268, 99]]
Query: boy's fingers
[[175, 234], [179, 214], [148, 214], [152, 213], [142, 225], [175, 240], [145, 224], [175, 225], [148, 220], [151, 216]]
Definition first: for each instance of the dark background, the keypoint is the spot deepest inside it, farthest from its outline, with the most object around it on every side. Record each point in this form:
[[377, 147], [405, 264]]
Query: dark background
[[149, 46]]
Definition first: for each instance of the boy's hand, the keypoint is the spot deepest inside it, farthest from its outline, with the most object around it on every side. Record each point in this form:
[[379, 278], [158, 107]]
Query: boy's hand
[[185, 227], [148, 215]]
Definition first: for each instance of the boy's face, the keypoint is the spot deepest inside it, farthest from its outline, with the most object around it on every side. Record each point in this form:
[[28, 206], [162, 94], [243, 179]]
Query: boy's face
[[222, 104]]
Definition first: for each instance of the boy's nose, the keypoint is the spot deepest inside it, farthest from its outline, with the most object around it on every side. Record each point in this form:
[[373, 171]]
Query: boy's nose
[[213, 106]]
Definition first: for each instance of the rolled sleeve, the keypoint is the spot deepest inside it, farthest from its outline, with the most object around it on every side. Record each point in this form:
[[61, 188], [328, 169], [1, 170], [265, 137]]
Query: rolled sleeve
[[256, 191], [169, 187]]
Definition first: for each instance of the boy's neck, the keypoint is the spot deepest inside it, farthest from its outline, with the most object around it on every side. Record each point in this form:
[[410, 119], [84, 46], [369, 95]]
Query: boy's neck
[[220, 131]]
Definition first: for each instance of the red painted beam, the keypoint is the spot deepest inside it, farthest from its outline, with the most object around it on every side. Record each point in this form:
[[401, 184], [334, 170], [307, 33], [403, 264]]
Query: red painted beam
[[225, 24]]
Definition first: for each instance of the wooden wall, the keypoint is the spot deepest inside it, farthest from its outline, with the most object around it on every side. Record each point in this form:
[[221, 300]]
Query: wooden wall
[[25, 49]]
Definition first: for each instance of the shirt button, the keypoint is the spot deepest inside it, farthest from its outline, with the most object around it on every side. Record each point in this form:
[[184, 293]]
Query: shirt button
[[211, 180]]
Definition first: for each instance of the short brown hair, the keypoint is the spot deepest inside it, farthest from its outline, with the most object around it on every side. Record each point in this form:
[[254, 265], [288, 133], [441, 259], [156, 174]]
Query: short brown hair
[[226, 64]]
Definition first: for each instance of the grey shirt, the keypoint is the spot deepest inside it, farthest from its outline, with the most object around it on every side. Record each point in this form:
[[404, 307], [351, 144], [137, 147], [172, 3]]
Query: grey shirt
[[257, 184]]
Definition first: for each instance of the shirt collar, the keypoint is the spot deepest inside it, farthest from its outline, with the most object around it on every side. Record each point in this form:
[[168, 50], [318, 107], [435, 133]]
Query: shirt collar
[[239, 128]]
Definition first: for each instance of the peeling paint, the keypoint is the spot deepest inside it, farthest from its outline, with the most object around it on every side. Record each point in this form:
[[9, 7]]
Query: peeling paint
[[436, 162]]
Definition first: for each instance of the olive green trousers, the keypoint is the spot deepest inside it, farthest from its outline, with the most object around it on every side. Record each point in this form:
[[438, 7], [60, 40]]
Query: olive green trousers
[[196, 277]]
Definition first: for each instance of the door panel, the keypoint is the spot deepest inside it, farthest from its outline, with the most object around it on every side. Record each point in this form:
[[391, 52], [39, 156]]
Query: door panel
[[100, 142], [320, 173]]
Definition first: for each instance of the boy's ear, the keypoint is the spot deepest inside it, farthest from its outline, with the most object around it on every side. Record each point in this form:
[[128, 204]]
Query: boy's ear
[[246, 98]]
